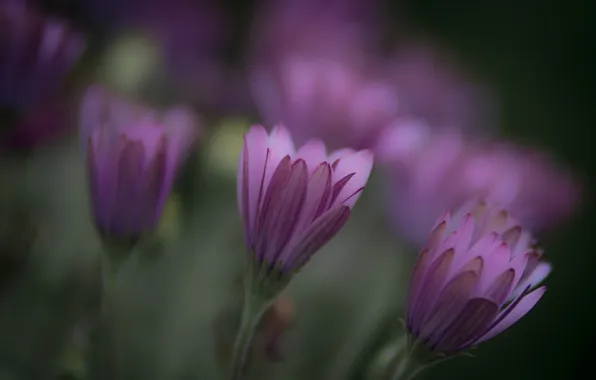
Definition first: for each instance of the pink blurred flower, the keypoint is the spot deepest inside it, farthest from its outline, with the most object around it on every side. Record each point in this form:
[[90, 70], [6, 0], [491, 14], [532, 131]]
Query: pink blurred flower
[[473, 279], [293, 202], [430, 171], [133, 157], [310, 68]]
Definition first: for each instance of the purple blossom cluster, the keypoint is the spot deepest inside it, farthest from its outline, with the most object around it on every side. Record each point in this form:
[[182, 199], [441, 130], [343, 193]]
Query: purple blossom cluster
[[318, 79]]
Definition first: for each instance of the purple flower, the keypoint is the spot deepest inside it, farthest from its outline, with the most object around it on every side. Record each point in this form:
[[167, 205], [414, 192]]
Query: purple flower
[[310, 68], [36, 53], [473, 279], [132, 157], [293, 202], [433, 170]]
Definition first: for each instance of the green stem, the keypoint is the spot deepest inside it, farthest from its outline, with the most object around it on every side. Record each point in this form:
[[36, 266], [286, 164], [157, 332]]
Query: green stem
[[406, 367], [255, 305]]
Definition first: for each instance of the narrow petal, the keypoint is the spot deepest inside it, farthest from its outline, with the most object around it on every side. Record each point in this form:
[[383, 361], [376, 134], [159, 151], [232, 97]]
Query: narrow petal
[[127, 219], [289, 205], [317, 195], [451, 302], [416, 282], [498, 291], [360, 164], [266, 209], [280, 144], [522, 308], [313, 153], [497, 261], [316, 236], [534, 279], [250, 177], [476, 315], [433, 283], [512, 236]]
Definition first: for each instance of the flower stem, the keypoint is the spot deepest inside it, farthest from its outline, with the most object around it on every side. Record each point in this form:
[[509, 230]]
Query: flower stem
[[255, 305], [406, 367]]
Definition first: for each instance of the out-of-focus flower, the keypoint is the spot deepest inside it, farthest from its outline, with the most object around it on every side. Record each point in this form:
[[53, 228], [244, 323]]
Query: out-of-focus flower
[[434, 88], [310, 67], [430, 171], [473, 279], [132, 156], [36, 53], [526, 180], [293, 202]]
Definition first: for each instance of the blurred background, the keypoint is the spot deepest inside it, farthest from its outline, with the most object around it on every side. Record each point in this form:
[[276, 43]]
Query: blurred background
[[457, 99]]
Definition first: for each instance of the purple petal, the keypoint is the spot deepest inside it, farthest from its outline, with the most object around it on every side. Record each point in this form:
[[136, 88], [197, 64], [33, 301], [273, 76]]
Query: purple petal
[[522, 308], [451, 302], [251, 171], [433, 283], [316, 236], [317, 195], [498, 291], [534, 279], [476, 315], [281, 209], [496, 263], [280, 145], [416, 282], [313, 153], [128, 215], [360, 164]]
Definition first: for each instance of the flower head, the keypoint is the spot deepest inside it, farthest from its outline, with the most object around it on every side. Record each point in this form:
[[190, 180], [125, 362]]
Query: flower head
[[293, 202], [474, 279], [132, 157], [311, 68]]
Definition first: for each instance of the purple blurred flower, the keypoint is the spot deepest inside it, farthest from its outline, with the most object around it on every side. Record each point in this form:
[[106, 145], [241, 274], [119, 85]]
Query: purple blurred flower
[[133, 156], [473, 279], [433, 87], [433, 170], [36, 53], [310, 68], [293, 202]]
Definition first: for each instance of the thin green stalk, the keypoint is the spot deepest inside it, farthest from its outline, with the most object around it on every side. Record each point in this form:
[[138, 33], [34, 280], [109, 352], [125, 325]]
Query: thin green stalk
[[254, 307]]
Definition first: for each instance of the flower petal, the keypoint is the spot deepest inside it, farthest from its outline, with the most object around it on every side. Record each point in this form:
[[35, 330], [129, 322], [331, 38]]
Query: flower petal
[[313, 153], [476, 315], [433, 283], [450, 304], [360, 164], [251, 171], [522, 308], [318, 234]]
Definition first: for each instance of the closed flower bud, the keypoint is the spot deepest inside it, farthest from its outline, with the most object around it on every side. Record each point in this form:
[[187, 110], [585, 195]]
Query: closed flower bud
[[132, 159]]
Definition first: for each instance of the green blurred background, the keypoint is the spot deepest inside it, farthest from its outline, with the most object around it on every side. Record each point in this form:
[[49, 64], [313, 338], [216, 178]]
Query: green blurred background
[[175, 310]]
